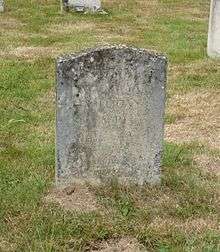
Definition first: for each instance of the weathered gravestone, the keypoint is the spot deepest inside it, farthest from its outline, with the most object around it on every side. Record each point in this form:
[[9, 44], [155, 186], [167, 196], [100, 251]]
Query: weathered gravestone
[[82, 5], [110, 115], [1, 5], [214, 29]]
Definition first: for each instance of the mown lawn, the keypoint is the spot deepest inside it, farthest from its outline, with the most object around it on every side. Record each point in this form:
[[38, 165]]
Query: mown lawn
[[183, 214]]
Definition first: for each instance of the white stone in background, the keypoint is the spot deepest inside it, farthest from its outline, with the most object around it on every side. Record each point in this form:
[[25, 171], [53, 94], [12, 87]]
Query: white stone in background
[[1, 5], [214, 29], [82, 5]]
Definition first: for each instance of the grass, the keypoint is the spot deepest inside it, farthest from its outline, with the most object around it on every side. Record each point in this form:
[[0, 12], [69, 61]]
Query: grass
[[180, 215]]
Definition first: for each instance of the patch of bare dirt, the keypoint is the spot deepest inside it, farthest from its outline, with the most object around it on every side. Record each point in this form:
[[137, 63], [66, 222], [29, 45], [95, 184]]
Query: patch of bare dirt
[[124, 244], [197, 118], [76, 197]]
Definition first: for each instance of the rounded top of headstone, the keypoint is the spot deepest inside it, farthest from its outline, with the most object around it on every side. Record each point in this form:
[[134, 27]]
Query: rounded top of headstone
[[105, 49]]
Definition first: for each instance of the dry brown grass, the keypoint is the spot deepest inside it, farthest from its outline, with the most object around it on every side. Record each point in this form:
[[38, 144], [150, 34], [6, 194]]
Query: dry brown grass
[[190, 226], [30, 53], [8, 23], [197, 118], [201, 225], [5, 246], [122, 245], [208, 163], [202, 68], [71, 27]]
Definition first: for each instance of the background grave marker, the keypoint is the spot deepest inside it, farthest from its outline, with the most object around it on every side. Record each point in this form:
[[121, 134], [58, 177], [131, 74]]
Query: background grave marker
[[1, 5], [214, 29], [82, 5]]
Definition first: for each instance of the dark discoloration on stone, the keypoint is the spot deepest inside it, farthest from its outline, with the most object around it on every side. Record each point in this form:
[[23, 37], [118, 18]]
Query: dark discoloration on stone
[[110, 109]]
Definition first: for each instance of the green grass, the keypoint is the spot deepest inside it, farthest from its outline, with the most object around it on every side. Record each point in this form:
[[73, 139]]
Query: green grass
[[183, 213]]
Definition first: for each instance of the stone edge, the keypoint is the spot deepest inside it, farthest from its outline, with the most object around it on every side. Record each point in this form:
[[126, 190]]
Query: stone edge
[[77, 55]]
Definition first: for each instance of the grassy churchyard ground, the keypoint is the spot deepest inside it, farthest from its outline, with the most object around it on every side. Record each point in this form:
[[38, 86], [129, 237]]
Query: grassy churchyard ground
[[183, 214]]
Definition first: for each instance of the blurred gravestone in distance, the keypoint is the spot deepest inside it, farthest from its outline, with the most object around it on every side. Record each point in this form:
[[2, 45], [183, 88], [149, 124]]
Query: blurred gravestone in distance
[[82, 5], [1, 5], [214, 29], [110, 115]]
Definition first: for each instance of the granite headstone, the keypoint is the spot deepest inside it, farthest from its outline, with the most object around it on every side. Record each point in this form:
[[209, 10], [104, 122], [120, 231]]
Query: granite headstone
[[110, 115]]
